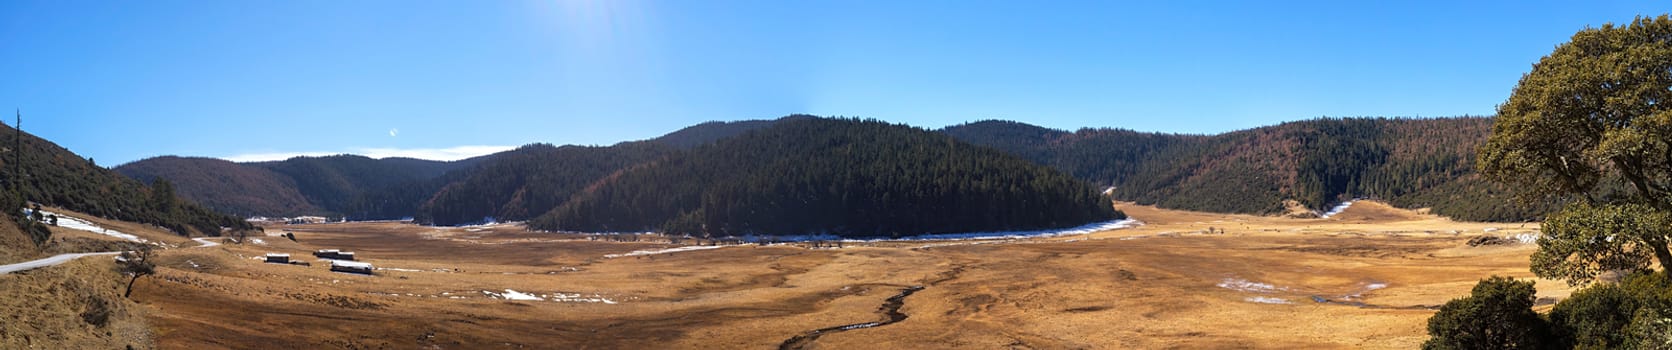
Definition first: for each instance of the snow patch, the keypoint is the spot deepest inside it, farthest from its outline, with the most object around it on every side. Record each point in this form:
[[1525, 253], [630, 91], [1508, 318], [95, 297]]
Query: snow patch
[[1267, 300], [555, 297], [663, 251], [1243, 285], [66, 221], [515, 295], [577, 298], [1337, 209], [926, 246], [1078, 230]]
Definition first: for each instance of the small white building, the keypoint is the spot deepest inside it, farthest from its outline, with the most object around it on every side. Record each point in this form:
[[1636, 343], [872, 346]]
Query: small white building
[[351, 267], [307, 220]]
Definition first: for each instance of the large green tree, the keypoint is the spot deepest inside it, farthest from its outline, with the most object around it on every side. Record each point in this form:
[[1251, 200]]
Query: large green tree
[[1592, 124]]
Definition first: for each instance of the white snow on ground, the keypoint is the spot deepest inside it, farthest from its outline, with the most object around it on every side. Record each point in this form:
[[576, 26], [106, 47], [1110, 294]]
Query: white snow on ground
[[663, 251], [577, 298], [54, 260], [515, 295], [258, 241], [1525, 238], [84, 225], [1239, 284], [1078, 230], [934, 245], [1267, 300], [1337, 209], [555, 297], [1368, 287]]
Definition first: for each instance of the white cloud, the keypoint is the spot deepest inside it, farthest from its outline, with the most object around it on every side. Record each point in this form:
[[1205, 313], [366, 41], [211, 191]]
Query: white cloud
[[262, 157], [443, 154], [453, 153], [393, 132]]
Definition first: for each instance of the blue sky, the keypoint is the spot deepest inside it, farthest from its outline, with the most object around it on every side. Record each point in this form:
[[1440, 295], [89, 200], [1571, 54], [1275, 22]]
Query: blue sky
[[124, 80]]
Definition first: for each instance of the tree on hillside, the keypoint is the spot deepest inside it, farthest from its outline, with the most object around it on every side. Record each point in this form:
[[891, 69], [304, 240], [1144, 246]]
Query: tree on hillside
[[1497, 314], [137, 263], [1591, 124], [162, 195]]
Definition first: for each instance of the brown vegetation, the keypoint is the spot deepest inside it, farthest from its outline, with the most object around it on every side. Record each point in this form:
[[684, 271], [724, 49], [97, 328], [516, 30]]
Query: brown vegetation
[[77, 305], [1165, 284]]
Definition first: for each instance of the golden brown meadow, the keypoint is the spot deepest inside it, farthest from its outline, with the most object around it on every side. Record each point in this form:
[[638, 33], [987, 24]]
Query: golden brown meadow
[[1367, 278]]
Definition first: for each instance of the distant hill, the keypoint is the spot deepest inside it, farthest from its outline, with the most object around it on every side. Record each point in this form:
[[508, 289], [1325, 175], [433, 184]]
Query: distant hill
[[225, 186], [350, 185], [852, 178], [1409, 162], [708, 132], [528, 181], [513, 185], [54, 176]]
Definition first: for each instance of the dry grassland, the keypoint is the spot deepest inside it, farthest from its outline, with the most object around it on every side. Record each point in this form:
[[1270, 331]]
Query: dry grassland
[[1166, 284]]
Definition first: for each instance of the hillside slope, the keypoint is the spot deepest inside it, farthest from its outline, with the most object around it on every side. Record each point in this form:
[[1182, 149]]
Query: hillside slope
[[1409, 162], [513, 185], [528, 181], [225, 186], [54, 176], [347, 185], [708, 132], [851, 178]]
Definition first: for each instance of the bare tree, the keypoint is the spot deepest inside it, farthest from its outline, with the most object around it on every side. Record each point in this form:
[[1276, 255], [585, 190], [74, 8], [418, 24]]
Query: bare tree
[[238, 236], [137, 263]]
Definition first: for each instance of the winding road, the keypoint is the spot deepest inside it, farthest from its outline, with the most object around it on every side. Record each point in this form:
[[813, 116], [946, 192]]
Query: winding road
[[206, 242], [85, 226], [52, 261]]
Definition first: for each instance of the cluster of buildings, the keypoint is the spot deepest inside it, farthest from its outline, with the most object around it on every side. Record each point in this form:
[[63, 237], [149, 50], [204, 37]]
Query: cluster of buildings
[[341, 261]]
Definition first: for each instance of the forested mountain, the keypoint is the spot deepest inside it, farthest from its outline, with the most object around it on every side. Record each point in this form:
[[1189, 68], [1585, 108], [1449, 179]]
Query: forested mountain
[[528, 181], [518, 185], [54, 176], [349, 185], [700, 134], [1411, 163], [333, 182], [223, 185], [1408, 162], [853, 178]]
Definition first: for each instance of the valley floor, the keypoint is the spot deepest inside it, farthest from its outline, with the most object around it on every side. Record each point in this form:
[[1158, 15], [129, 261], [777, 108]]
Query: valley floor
[[1365, 278]]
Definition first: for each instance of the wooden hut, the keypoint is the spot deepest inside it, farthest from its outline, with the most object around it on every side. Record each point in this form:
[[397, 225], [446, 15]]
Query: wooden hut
[[278, 258], [333, 254]]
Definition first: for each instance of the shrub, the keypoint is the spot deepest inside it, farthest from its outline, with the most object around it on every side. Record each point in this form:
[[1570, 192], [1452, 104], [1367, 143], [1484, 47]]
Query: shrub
[[1496, 315], [1593, 317], [98, 311]]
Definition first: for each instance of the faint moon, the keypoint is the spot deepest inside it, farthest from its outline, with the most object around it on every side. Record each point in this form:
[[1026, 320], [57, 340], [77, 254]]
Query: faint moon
[[392, 132]]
